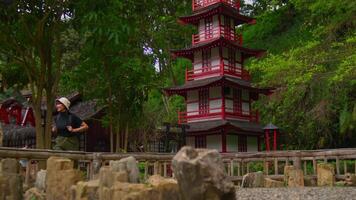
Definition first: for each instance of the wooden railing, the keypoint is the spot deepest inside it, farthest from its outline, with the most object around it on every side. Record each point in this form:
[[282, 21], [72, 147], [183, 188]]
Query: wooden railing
[[236, 164], [219, 113], [220, 31], [217, 70]]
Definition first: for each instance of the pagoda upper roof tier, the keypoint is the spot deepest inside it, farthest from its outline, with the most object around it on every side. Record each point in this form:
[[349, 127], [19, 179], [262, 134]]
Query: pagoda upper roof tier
[[197, 128], [215, 81], [219, 8], [221, 41]]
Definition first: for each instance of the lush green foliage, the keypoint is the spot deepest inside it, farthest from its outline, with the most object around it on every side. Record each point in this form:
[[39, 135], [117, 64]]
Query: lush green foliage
[[118, 52], [311, 63]]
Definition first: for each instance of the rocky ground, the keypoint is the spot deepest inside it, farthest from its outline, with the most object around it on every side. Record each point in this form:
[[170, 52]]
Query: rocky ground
[[304, 193]]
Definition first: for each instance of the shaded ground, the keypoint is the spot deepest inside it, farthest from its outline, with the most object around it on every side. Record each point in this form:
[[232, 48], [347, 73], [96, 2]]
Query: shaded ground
[[306, 193]]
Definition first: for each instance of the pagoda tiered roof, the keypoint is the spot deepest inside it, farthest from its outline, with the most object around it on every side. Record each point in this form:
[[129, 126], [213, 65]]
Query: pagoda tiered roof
[[221, 41], [196, 128], [215, 81], [218, 8]]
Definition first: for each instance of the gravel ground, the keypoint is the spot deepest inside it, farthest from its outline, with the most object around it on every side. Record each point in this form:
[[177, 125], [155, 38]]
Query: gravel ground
[[306, 193]]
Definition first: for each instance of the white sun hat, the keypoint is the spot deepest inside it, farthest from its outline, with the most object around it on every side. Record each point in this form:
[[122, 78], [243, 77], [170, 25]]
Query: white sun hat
[[64, 101]]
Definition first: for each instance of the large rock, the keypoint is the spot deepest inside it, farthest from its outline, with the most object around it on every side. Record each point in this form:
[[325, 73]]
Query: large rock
[[40, 182], [10, 180], [132, 191], [107, 179], [60, 177], [167, 188], [350, 179], [10, 186], [325, 174], [201, 175], [293, 177], [158, 188], [9, 165], [86, 190], [34, 194], [310, 181], [270, 183], [128, 165], [252, 180]]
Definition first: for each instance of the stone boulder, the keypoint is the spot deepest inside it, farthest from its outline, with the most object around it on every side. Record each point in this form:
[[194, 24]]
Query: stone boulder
[[325, 174], [34, 193], [9, 165], [157, 188], [293, 177], [60, 177], [107, 179], [86, 190], [167, 188], [128, 165], [201, 175], [10, 186], [310, 181], [131, 191], [270, 183], [10, 180], [40, 182], [253, 180], [350, 179]]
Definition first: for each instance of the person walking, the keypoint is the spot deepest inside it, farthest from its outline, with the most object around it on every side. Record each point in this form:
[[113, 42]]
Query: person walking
[[68, 126]]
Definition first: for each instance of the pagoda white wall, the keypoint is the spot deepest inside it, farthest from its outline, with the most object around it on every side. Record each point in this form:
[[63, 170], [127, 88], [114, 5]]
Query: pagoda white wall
[[214, 142], [232, 143], [225, 53], [201, 27], [215, 105], [245, 105], [214, 62], [252, 144], [192, 96]]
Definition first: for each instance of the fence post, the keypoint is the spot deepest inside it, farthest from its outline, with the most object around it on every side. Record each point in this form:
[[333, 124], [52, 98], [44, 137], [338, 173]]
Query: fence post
[[337, 166]]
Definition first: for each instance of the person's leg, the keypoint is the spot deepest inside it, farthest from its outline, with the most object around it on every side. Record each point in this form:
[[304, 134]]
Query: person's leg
[[59, 141]]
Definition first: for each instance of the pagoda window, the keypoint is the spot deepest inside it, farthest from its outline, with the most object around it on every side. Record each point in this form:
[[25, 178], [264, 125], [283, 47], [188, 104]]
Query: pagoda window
[[228, 30], [237, 100], [200, 141], [242, 143], [245, 102], [231, 58], [208, 27], [238, 57], [206, 60], [204, 101]]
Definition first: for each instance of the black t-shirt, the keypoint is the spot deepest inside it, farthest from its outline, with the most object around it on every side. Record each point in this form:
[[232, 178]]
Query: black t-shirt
[[64, 119]]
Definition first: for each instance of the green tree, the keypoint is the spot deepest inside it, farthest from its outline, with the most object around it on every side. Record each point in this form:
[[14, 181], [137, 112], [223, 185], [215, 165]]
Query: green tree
[[30, 38]]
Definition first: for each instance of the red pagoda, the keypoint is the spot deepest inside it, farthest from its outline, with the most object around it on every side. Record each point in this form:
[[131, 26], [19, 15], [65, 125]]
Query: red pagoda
[[218, 92]]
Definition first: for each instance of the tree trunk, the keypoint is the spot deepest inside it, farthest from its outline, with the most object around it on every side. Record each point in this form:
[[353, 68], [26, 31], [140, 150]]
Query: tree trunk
[[40, 144], [126, 137], [48, 123], [145, 143], [118, 139]]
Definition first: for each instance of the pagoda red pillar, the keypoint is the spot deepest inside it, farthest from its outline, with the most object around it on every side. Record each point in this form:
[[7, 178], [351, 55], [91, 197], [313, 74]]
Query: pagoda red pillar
[[275, 140], [267, 140]]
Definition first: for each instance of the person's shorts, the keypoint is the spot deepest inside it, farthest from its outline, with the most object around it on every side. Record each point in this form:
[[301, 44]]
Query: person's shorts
[[66, 143]]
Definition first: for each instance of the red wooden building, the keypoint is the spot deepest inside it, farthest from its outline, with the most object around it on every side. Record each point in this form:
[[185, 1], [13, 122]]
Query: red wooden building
[[17, 120], [218, 91]]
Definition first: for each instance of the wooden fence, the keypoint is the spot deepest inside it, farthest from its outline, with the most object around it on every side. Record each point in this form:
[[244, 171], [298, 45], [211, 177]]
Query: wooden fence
[[236, 164]]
